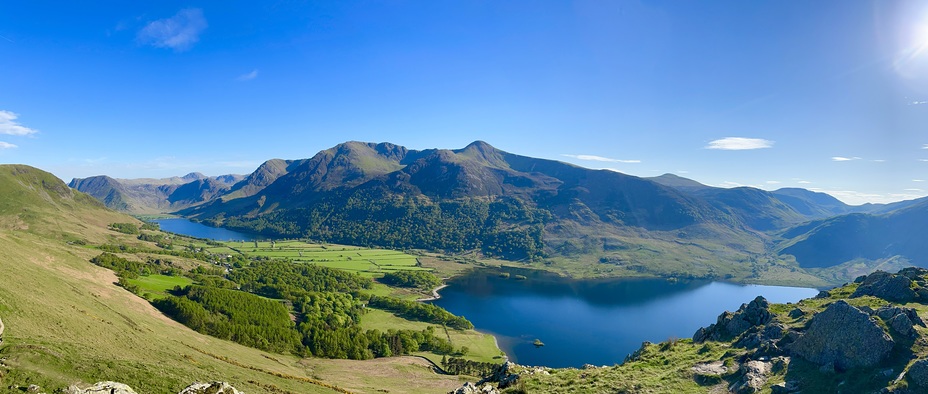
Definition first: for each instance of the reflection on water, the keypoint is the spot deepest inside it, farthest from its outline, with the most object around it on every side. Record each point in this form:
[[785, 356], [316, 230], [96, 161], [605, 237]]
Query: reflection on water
[[593, 321]]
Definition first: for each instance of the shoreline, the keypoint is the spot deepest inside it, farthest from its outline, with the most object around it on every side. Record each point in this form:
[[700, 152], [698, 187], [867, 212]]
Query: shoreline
[[435, 294]]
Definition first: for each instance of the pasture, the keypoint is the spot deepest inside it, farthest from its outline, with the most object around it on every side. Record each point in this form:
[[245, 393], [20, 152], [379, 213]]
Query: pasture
[[365, 261], [158, 285]]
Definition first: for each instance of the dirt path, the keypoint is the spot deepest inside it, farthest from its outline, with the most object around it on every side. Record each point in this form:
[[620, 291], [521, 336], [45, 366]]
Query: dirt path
[[1, 330]]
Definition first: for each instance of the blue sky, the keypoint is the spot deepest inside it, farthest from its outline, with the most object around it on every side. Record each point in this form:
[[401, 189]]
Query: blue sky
[[825, 95]]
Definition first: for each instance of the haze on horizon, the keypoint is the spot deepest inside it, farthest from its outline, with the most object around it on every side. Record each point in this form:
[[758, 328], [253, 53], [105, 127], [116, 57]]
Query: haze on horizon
[[830, 96]]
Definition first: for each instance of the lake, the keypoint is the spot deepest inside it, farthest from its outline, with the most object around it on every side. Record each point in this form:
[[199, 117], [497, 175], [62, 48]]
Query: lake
[[580, 322], [594, 322], [193, 229]]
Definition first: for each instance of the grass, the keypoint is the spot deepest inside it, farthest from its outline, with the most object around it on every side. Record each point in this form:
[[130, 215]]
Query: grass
[[68, 323], [157, 286], [481, 347]]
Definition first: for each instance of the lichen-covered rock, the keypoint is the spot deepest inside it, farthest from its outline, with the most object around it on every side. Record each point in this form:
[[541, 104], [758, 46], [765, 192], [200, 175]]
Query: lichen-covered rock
[[102, 388], [791, 386], [710, 373], [918, 373], [755, 376], [504, 375], [796, 313], [890, 287], [730, 325], [470, 388], [210, 388], [900, 319], [844, 337]]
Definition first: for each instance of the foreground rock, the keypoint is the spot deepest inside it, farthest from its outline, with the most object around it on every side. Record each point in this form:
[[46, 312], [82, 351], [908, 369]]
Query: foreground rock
[[730, 325], [890, 287], [710, 373], [470, 388], [844, 337], [918, 374], [210, 388], [102, 388], [120, 388], [755, 376]]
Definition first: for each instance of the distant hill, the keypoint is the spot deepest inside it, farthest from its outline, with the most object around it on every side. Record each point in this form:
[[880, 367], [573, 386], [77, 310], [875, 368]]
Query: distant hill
[[678, 182], [145, 195], [844, 238], [479, 199]]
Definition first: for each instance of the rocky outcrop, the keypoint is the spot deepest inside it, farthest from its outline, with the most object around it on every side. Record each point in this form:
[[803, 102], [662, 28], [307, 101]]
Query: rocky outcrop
[[890, 287], [843, 337], [1, 332], [504, 376], [754, 377], [470, 388], [102, 388], [120, 388], [710, 373], [210, 388], [918, 374], [902, 320], [730, 325]]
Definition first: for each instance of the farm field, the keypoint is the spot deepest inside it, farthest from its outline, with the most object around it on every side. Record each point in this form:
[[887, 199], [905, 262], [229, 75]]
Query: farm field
[[481, 347], [365, 261], [157, 285]]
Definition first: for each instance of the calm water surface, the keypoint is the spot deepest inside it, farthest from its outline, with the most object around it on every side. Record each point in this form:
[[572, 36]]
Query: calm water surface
[[186, 227], [594, 322]]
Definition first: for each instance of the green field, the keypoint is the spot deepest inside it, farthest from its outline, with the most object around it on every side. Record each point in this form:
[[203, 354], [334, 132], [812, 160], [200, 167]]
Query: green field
[[157, 285], [481, 347], [365, 261]]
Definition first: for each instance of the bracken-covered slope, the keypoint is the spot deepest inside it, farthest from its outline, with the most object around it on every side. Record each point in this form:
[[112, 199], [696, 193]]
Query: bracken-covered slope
[[66, 322]]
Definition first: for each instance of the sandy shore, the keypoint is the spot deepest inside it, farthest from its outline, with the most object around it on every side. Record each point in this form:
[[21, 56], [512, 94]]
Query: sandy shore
[[435, 294]]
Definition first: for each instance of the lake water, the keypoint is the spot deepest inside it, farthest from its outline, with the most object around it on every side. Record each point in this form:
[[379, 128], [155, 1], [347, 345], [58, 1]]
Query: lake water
[[594, 322], [193, 229]]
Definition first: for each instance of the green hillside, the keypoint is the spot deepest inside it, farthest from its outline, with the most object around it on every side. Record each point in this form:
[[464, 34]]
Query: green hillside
[[67, 322]]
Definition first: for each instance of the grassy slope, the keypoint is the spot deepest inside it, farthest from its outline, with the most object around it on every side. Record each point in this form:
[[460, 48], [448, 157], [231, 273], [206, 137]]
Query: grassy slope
[[66, 322]]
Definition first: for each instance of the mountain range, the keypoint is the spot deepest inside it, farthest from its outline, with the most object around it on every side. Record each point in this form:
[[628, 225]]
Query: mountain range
[[578, 220]]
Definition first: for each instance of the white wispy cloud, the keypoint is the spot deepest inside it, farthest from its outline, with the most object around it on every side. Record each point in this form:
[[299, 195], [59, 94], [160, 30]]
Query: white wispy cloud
[[804, 182], [923, 160], [925, 146], [839, 158], [178, 32], [6, 145], [918, 180], [772, 182], [917, 102], [913, 190], [878, 160], [600, 158], [9, 125], [739, 143], [248, 76]]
